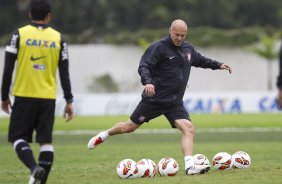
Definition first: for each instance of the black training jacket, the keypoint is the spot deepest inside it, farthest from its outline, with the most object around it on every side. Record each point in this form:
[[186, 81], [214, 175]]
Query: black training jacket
[[167, 67]]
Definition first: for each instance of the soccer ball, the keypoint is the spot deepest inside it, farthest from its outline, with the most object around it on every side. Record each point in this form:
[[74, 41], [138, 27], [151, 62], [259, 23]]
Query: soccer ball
[[241, 160], [127, 168], [222, 161], [200, 159], [146, 168], [168, 167]]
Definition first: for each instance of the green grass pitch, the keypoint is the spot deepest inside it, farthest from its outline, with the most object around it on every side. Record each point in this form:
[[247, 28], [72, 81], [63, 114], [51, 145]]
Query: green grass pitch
[[74, 163]]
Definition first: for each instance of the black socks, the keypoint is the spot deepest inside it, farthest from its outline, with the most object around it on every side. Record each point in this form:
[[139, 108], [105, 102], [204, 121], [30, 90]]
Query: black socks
[[46, 160], [25, 154]]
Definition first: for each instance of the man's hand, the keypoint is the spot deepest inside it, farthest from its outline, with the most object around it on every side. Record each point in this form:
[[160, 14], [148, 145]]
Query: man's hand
[[150, 89], [6, 106], [226, 67], [280, 99], [68, 114]]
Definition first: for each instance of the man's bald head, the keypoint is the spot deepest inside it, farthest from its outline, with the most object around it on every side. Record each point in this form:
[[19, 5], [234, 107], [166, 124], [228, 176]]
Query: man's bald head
[[179, 24], [178, 31]]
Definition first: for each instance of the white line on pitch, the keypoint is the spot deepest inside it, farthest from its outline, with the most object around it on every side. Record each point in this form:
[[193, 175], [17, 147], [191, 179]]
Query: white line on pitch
[[166, 131]]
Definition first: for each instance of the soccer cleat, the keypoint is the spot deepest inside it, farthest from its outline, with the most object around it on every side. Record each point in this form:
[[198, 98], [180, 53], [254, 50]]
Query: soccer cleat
[[37, 175], [94, 141], [197, 169]]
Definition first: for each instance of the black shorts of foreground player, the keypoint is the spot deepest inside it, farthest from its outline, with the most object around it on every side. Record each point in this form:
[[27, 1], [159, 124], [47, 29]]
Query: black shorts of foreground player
[[38, 51], [164, 69]]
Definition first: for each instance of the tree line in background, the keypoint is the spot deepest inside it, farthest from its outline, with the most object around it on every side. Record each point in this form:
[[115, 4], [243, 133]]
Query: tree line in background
[[220, 22]]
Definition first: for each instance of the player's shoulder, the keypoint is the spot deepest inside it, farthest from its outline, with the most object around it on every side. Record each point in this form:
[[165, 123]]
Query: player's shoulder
[[160, 44], [153, 45], [53, 30], [156, 43], [25, 27]]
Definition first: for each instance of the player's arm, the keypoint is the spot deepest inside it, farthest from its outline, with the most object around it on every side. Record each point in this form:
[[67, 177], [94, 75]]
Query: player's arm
[[203, 62], [11, 52], [144, 67], [65, 79], [147, 63]]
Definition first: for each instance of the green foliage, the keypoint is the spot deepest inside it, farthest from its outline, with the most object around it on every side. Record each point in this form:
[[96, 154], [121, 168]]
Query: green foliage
[[207, 36], [123, 22], [266, 48], [103, 83], [143, 43], [4, 40], [198, 36]]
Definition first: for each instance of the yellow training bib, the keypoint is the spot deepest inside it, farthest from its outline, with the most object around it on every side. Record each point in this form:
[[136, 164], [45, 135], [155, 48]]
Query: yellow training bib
[[37, 62]]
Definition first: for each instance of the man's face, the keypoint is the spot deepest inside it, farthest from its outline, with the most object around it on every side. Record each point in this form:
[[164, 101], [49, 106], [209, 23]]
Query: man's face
[[177, 35]]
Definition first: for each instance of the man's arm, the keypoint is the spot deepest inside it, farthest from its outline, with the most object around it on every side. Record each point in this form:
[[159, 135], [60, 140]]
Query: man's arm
[[147, 63], [64, 71], [203, 62], [10, 59], [65, 79], [144, 68], [9, 64]]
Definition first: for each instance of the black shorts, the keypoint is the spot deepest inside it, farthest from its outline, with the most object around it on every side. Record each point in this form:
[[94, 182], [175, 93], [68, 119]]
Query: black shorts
[[145, 111], [29, 114]]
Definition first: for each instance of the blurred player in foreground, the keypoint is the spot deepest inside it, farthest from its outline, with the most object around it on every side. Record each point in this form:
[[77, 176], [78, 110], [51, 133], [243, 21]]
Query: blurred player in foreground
[[164, 69], [37, 50], [279, 80]]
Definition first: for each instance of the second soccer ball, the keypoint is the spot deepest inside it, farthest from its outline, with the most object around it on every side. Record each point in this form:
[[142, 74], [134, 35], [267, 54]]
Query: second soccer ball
[[146, 168]]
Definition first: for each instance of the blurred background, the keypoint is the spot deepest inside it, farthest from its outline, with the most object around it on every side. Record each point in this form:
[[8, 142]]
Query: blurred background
[[107, 39]]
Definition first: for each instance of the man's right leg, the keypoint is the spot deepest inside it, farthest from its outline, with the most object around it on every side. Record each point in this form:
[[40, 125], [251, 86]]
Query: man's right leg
[[25, 154], [119, 128]]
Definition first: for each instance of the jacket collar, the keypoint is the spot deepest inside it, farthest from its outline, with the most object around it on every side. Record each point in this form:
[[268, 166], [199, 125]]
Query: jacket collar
[[42, 26]]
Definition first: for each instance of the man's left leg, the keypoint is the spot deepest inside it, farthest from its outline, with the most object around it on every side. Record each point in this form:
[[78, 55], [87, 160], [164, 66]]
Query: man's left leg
[[45, 160]]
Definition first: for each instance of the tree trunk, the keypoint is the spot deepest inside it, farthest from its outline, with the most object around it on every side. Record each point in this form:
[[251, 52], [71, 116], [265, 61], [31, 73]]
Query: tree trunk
[[269, 75]]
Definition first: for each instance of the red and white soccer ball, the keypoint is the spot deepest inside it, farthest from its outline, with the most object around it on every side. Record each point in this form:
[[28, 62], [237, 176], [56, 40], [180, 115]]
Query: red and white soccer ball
[[146, 168], [222, 161], [200, 159], [127, 168], [241, 160], [168, 167]]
